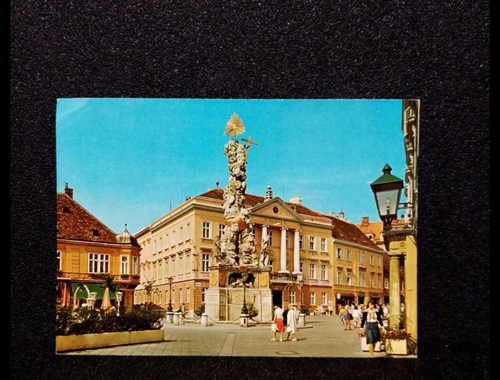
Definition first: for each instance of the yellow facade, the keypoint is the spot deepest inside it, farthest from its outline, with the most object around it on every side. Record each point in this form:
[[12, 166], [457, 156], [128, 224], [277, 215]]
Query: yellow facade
[[179, 246]]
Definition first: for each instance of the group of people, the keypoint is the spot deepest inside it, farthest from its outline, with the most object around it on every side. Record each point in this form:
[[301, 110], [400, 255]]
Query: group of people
[[285, 321], [366, 318]]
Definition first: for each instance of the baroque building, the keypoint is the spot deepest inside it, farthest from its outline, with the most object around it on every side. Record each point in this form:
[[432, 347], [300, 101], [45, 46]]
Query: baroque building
[[86, 248], [336, 261]]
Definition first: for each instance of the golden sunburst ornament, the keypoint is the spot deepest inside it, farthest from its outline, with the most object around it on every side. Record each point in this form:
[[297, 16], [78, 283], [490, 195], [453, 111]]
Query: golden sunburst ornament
[[234, 126]]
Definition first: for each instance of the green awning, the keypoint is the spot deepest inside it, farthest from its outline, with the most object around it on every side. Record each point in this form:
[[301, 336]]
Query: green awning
[[82, 294]]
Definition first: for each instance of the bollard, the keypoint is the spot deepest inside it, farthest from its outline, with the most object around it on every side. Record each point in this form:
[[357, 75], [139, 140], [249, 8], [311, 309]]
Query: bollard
[[177, 317], [204, 319], [302, 319], [170, 317], [244, 320]]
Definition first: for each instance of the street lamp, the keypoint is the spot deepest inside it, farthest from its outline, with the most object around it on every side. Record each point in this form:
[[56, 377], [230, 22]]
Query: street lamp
[[170, 280], [119, 296], [301, 284], [387, 190], [244, 309]]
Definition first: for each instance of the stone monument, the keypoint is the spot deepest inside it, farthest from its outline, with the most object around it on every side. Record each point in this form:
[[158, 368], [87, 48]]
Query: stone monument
[[238, 275]]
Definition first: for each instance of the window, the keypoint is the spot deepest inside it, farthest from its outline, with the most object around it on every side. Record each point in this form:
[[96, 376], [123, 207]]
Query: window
[[188, 231], [301, 266], [372, 260], [206, 230], [181, 233], [348, 255], [135, 266], [312, 243], [181, 266], [379, 262], [379, 281], [221, 230], [339, 276], [323, 245], [292, 296], [339, 254], [287, 265], [372, 281], [323, 298], [98, 263], [124, 265], [188, 295], [301, 242], [324, 273], [270, 236], [312, 298], [271, 262], [188, 264], [349, 278], [286, 240], [173, 238], [205, 262], [166, 240], [59, 260], [361, 256], [203, 295], [181, 296], [386, 283], [160, 269], [362, 278], [312, 270]]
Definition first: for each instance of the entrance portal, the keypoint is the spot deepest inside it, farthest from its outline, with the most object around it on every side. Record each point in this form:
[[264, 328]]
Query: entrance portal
[[278, 297]]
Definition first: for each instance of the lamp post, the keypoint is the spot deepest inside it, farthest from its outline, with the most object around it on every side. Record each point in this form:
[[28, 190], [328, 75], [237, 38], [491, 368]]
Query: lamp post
[[119, 296], [244, 309], [301, 284], [170, 280], [387, 190]]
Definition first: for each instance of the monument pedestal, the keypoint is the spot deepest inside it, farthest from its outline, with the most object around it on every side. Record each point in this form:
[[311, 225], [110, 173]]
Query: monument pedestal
[[224, 297]]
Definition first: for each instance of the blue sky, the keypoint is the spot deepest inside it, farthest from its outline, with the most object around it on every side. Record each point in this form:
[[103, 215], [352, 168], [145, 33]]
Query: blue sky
[[128, 160]]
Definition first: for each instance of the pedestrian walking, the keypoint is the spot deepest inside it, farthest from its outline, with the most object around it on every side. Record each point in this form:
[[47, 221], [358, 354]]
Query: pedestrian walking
[[292, 320], [341, 313], [278, 321], [372, 324], [347, 318], [356, 317]]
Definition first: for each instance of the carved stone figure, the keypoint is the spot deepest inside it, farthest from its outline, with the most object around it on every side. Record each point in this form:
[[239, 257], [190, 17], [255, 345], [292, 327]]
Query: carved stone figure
[[237, 244]]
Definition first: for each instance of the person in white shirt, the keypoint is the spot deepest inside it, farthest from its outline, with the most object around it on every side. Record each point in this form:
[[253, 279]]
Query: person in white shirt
[[372, 323], [355, 317], [291, 319]]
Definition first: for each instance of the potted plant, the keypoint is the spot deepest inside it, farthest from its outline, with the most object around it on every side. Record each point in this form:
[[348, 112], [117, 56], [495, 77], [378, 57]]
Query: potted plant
[[252, 311], [397, 341]]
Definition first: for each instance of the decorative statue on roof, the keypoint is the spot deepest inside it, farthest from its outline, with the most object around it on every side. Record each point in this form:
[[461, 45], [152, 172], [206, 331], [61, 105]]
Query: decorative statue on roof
[[237, 244]]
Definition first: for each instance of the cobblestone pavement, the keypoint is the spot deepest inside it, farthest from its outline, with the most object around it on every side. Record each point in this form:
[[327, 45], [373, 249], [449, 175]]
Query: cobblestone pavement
[[323, 336]]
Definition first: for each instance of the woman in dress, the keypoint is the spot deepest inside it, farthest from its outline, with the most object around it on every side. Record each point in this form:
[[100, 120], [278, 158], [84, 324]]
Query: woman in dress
[[278, 321], [372, 323], [292, 319]]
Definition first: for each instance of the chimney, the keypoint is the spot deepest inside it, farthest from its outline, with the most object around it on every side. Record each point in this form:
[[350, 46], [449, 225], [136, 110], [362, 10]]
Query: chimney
[[68, 191], [365, 221], [296, 200]]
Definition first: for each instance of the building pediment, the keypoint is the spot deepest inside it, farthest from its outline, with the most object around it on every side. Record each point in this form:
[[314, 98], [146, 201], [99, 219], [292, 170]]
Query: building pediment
[[275, 209]]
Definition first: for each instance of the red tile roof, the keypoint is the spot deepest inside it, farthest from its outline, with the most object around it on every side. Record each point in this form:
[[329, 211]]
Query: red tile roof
[[252, 200], [75, 223], [347, 231], [341, 230]]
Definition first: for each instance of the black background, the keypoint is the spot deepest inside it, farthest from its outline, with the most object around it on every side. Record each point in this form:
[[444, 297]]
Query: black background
[[434, 51]]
